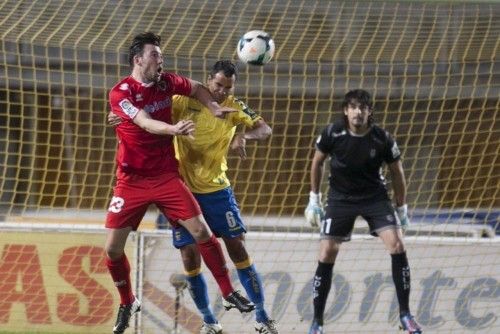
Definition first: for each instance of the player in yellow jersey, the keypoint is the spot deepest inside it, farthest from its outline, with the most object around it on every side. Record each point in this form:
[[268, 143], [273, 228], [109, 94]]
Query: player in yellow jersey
[[202, 162]]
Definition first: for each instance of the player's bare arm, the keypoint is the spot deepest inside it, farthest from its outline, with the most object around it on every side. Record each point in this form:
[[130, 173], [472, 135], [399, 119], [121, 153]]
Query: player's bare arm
[[398, 182], [114, 120], [314, 212], [202, 94], [260, 131], [181, 128], [317, 170]]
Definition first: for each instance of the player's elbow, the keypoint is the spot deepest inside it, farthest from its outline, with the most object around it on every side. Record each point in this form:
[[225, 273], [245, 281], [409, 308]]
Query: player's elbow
[[266, 131], [146, 126], [269, 131]]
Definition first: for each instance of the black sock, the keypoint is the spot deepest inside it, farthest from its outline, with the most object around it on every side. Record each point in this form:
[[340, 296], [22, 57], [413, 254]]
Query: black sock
[[321, 287], [401, 277]]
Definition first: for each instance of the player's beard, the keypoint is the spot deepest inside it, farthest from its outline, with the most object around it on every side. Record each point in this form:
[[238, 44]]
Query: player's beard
[[219, 98], [357, 122], [153, 75], [358, 125], [156, 76]]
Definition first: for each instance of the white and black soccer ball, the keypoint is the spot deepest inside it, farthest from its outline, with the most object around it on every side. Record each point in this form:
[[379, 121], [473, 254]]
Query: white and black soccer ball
[[256, 47]]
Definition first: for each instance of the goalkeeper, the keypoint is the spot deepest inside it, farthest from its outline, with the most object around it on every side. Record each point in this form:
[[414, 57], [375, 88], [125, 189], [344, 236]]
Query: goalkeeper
[[357, 149]]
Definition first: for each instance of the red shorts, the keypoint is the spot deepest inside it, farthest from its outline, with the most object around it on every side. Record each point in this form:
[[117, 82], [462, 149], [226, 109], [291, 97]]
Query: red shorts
[[134, 193]]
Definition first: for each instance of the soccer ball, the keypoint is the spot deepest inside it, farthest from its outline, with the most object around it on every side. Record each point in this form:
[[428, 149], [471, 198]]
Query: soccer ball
[[256, 47]]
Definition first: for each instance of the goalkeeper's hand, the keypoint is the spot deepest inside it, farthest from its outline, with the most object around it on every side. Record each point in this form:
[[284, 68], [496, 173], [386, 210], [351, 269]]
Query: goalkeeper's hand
[[314, 211], [403, 215]]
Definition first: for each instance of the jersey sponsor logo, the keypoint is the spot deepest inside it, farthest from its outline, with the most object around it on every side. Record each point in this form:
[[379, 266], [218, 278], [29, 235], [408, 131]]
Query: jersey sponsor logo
[[116, 204], [158, 105], [395, 150], [128, 108]]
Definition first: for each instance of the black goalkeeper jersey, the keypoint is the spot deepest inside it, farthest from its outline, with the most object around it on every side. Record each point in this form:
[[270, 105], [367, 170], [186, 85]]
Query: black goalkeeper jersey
[[356, 161]]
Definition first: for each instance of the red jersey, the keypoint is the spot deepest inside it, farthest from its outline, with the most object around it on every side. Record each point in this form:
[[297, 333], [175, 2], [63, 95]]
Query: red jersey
[[141, 152]]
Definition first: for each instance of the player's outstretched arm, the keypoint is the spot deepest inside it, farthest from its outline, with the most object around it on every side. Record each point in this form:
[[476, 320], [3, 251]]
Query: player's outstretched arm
[[261, 130], [181, 128], [202, 94]]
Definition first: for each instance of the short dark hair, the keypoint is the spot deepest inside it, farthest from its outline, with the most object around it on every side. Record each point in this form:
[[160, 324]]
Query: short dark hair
[[225, 66], [360, 96], [137, 46]]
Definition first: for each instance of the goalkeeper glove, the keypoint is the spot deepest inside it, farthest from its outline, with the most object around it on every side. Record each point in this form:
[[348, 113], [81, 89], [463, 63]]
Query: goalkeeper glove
[[403, 215], [314, 211]]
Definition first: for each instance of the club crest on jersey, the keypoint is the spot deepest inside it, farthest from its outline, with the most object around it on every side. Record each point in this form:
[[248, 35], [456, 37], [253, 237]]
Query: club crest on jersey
[[138, 97]]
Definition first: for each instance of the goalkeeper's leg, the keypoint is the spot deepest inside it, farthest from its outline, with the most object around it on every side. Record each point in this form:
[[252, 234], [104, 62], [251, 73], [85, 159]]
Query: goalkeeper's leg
[[322, 281], [393, 241]]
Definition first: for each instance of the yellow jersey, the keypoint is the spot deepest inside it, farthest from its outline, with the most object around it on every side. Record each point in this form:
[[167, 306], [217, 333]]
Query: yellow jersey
[[202, 160]]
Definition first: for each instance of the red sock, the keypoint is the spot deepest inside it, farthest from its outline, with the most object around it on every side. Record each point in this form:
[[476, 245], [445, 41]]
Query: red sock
[[120, 272], [213, 257]]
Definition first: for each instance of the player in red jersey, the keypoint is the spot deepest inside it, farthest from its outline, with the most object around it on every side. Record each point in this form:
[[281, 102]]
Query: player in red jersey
[[147, 171]]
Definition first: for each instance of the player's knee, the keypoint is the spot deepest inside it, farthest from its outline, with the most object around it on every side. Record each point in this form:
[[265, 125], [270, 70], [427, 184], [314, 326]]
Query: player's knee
[[200, 234], [238, 255], [114, 253], [197, 227], [190, 257], [236, 248], [396, 247], [328, 251]]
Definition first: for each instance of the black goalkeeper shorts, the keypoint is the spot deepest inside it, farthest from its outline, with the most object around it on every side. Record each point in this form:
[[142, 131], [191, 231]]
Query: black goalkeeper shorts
[[340, 217]]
